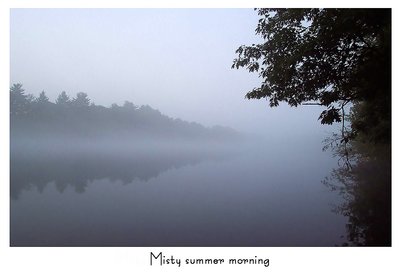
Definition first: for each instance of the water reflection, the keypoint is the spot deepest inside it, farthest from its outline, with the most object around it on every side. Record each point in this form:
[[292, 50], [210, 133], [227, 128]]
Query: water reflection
[[77, 169], [366, 188], [252, 199]]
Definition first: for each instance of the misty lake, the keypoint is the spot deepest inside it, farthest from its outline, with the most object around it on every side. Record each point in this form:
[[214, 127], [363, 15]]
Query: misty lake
[[267, 193]]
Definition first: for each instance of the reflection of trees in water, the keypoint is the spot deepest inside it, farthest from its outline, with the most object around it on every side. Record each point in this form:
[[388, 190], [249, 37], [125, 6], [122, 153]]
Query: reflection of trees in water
[[78, 169], [366, 188]]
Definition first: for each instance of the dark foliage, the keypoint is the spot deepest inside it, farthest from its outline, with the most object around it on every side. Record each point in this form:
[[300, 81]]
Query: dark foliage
[[366, 189], [334, 58], [330, 56]]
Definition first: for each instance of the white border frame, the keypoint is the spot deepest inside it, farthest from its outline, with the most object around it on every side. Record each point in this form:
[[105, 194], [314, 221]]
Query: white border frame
[[129, 259]]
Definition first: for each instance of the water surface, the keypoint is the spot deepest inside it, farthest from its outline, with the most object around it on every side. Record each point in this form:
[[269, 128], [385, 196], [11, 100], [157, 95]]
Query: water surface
[[267, 193]]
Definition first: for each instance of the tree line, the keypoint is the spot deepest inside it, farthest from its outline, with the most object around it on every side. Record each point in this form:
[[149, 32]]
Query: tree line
[[79, 117]]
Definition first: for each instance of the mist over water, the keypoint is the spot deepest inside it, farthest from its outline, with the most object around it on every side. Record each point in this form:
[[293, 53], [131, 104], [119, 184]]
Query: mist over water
[[163, 149], [247, 194]]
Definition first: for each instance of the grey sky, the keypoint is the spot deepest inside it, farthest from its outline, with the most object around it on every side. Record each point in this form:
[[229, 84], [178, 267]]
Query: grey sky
[[175, 60]]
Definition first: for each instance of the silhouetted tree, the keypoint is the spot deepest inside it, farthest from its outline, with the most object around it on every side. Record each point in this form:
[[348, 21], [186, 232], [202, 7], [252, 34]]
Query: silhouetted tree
[[30, 98], [329, 56], [129, 105], [63, 99], [114, 106], [18, 100], [82, 100], [334, 58], [42, 99]]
